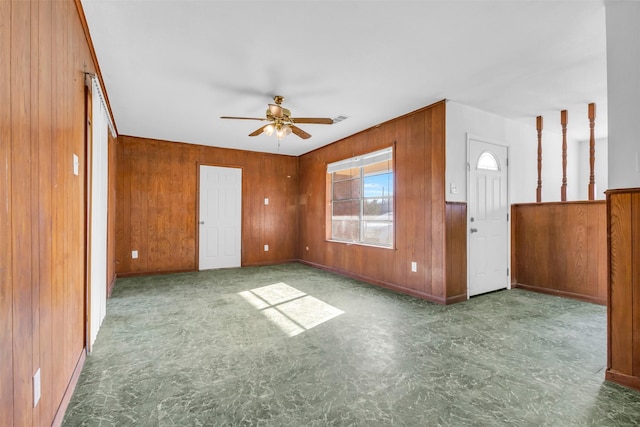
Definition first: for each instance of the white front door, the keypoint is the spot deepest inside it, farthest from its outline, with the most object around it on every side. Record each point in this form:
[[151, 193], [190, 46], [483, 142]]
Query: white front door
[[220, 217], [488, 221]]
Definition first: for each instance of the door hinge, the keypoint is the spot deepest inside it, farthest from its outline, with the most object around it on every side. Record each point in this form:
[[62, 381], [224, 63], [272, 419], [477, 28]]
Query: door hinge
[[507, 271], [507, 162], [507, 217]]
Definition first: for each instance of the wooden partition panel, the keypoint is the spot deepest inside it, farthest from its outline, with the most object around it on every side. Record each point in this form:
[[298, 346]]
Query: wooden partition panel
[[560, 249], [157, 204], [419, 214], [456, 253], [43, 55], [623, 326]]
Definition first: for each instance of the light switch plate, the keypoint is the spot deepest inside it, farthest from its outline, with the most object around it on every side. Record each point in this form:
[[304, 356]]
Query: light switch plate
[[76, 165], [266, 248], [266, 200], [414, 266], [134, 254]]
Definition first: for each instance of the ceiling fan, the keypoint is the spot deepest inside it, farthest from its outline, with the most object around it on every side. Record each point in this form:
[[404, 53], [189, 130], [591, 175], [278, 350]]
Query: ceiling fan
[[280, 121]]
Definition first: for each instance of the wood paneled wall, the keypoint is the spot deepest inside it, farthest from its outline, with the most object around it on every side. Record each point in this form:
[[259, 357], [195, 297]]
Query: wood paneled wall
[[157, 200], [623, 326], [420, 210], [43, 55], [560, 248], [456, 251]]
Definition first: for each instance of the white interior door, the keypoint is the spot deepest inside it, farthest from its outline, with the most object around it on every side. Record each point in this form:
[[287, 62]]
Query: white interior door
[[220, 217], [488, 221]]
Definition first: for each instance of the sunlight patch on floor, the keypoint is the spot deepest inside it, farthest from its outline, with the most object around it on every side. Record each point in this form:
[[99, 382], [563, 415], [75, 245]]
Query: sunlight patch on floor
[[292, 310]]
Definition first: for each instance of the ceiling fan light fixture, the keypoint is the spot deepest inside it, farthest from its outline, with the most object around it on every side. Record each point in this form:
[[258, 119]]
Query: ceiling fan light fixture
[[268, 129], [281, 123]]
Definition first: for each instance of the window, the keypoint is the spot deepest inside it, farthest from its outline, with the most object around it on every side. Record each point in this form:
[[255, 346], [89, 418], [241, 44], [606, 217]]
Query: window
[[488, 161], [362, 199]]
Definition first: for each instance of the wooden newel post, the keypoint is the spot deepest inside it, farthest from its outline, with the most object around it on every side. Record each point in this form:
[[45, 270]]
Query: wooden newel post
[[539, 188], [592, 151], [563, 122]]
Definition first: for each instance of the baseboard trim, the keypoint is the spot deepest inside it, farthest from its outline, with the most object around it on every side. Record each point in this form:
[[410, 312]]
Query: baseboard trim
[[564, 294], [68, 393], [151, 273], [154, 273], [266, 263], [622, 379], [456, 299], [387, 285]]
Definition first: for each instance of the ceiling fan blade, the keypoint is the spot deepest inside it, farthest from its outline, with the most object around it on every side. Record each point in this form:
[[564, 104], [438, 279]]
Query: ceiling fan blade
[[276, 111], [258, 131], [313, 120], [242, 118], [302, 134]]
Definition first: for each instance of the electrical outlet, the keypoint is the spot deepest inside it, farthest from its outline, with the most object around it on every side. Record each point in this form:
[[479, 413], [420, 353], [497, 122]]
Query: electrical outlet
[[266, 200], [134, 254], [307, 247], [36, 388], [266, 248], [453, 188], [414, 267]]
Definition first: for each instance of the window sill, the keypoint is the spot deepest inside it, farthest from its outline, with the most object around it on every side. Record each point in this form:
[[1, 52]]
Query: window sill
[[360, 244]]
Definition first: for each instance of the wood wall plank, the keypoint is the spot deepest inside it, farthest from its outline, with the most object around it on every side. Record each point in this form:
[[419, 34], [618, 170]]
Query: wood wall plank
[[36, 196], [419, 207], [555, 248], [21, 212], [44, 214], [6, 253], [157, 204]]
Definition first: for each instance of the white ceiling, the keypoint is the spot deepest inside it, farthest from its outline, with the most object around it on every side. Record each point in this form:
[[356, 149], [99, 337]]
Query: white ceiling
[[171, 68]]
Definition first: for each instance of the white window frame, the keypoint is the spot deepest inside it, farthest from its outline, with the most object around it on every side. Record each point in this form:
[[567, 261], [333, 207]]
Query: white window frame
[[360, 162]]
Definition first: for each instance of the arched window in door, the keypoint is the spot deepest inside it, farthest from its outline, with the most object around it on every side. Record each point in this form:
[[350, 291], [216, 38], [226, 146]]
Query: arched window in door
[[487, 161]]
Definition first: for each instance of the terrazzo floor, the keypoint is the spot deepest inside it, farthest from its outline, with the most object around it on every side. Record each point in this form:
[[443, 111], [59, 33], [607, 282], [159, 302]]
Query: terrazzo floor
[[291, 345]]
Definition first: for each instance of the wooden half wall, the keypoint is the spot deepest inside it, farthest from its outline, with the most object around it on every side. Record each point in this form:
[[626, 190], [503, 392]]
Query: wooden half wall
[[43, 55], [157, 201], [560, 249], [623, 325], [420, 209]]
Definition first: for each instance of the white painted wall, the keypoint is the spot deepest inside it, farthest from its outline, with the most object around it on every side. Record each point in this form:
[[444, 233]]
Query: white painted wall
[[623, 90], [600, 169], [523, 154]]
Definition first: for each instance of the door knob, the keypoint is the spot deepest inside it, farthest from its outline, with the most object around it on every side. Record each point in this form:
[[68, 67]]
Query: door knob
[[474, 230], [202, 222]]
